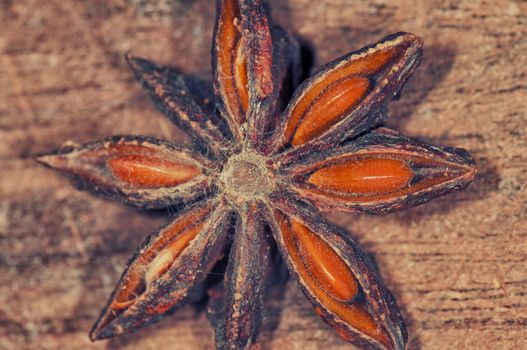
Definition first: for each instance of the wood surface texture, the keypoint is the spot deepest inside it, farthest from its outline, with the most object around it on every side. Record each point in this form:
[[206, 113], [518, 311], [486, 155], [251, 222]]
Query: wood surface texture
[[456, 265]]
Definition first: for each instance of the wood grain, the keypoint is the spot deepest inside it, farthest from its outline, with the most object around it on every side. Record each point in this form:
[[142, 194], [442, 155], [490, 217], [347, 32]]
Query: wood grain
[[456, 265]]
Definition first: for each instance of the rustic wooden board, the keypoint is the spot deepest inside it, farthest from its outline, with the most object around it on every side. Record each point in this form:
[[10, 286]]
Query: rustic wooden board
[[457, 265]]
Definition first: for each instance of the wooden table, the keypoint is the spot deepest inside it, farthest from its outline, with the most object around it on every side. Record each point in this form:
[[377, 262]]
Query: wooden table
[[456, 265]]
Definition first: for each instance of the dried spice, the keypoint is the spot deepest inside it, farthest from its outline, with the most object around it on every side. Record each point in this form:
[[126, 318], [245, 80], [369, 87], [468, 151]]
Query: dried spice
[[263, 166]]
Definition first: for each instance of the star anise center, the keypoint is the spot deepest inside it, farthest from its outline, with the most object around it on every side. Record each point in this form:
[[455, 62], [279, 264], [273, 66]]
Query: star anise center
[[245, 176]]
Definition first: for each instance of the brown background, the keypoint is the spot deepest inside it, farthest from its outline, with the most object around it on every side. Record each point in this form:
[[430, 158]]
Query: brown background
[[456, 265]]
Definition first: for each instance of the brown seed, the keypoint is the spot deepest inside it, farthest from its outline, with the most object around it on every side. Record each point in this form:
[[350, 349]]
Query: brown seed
[[231, 63], [156, 260], [240, 75], [150, 172], [320, 284], [323, 264], [329, 108], [359, 318], [166, 257], [327, 101], [372, 63], [363, 176]]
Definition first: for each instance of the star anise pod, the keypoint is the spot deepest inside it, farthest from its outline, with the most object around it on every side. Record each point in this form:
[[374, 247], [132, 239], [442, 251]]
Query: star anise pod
[[261, 169]]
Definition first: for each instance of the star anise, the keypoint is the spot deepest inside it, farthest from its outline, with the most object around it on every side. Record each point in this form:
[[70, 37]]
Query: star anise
[[261, 168]]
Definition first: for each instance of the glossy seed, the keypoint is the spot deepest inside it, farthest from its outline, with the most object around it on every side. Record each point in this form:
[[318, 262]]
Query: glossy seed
[[150, 172], [324, 265], [354, 315], [363, 176], [240, 76], [135, 286], [153, 261], [348, 81], [158, 258], [231, 64], [330, 107], [166, 257], [372, 63], [358, 317]]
